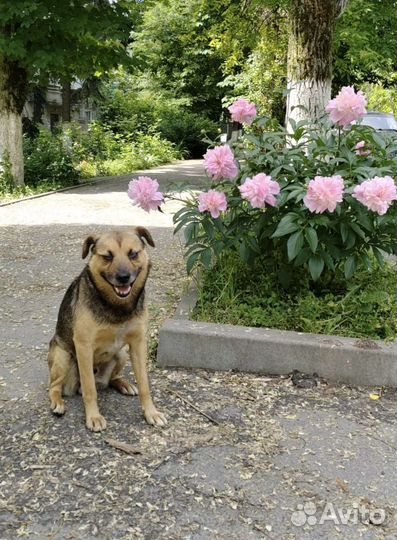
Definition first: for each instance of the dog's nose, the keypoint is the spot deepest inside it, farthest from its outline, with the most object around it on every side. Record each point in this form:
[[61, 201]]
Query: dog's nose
[[123, 277]]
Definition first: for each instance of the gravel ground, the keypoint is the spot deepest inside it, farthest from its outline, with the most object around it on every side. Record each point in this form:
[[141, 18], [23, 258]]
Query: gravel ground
[[242, 456]]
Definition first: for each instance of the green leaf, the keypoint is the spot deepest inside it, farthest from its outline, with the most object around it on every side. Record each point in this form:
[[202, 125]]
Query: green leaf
[[378, 255], [350, 266], [208, 228], [298, 133], [294, 245], [206, 257], [366, 261], [287, 225], [379, 140], [302, 257], [311, 238], [344, 231], [192, 260], [179, 214], [191, 232], [182, 223], [351, 239], [328, 261], [365, 221], [316, 266], [244, 252], [357, 230]]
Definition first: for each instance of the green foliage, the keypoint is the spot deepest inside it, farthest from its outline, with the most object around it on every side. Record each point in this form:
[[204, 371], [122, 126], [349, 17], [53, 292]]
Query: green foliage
[[64, 39], [48, 161], [97, 143], [188, 131], [364, 307], [110, 156], [365, 43], [289, 235], [380, 98], [6, 178], [210, 52], [262, 76], [126, 109], [173, 46]]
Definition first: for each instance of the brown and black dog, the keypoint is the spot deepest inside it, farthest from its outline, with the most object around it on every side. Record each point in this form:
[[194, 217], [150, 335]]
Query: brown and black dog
[[101, 322]]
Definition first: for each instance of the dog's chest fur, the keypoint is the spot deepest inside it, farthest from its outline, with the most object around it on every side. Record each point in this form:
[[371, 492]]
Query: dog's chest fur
[[109, 341]]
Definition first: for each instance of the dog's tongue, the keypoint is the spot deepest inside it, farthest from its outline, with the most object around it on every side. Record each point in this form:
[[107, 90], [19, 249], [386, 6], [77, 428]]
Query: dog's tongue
[[123, 290]]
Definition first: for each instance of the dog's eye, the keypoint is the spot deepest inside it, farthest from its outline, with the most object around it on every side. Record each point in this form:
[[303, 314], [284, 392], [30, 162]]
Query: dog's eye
[[108, 257], [133, 254]]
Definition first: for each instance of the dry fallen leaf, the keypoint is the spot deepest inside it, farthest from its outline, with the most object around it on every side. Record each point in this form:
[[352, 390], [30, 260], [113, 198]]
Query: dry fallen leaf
[[342, 485]]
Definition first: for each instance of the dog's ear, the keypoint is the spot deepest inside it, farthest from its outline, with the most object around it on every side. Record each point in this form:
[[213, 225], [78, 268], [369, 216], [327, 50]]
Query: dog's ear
[[144, 233], [88, 242]]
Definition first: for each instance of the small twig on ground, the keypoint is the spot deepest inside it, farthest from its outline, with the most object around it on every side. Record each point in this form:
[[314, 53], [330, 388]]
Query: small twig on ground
[[124, 447], [193, 443], [390, 445], [38, 467], [178, 395]]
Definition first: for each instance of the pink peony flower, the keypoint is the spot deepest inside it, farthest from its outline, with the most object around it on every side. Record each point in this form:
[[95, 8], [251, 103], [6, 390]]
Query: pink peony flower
[[143, 192], [220, 163], [213, 202], [377, 193], [260, 189], [347, 106], [323, 193], [360, 149], [243, 111]]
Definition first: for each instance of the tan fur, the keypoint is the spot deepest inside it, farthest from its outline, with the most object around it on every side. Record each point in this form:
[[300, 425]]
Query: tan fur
[[101, 346]]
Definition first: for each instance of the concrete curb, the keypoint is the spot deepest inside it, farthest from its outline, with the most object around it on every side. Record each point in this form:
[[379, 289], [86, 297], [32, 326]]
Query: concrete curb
[[191, 344], [59, 190]]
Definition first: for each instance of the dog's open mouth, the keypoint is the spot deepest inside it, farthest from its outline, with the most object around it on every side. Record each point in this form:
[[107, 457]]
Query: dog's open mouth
[[122, 290]]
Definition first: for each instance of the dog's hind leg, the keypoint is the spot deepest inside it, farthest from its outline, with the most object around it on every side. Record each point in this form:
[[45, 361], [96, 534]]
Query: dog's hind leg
[[116, 380], [60, 364], [72, 381]]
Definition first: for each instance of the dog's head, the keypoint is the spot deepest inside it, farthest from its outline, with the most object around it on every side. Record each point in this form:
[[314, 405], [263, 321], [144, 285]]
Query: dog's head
[[119, 262]]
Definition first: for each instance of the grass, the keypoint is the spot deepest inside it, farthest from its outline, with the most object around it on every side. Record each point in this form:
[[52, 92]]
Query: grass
[[363, 307], [8, 195]]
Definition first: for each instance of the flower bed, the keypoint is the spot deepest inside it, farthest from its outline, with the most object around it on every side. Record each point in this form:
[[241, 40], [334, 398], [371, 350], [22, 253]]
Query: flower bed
[[310, 206]]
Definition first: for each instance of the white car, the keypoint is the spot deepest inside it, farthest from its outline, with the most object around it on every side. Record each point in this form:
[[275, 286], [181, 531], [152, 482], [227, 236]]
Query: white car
[[380, 121]]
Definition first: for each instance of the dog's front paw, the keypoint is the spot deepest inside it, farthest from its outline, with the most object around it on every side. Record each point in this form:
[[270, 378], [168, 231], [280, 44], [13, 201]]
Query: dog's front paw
[[124, 387], [155, 417], [96, 423], [58, 406]]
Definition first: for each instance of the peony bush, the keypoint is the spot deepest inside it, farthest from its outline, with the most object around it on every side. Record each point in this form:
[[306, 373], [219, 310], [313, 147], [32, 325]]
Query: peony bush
[[320, 198]]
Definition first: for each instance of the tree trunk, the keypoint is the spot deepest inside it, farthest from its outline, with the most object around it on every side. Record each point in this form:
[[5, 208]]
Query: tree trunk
[[66, 102], [311, 30], [13, 92]]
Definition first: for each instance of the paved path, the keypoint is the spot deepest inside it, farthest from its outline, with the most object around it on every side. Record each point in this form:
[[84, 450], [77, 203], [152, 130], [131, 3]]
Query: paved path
[[104, 202], [270, 448]]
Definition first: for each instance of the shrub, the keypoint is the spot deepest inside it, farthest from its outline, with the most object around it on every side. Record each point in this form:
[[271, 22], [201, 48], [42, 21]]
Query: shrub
[[381, 99], [48, 161], [6, 177], [314, 197], [127, 109], [188, 130], [290, 234], [97, 143], [144, 152]]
